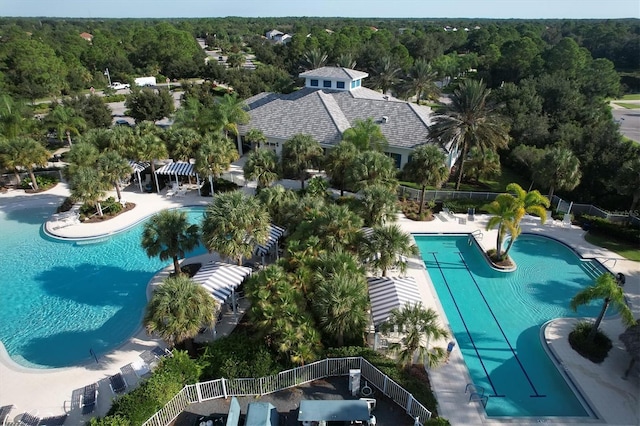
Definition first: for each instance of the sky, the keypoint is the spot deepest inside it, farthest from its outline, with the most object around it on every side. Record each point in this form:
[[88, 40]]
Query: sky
[[500, 9]]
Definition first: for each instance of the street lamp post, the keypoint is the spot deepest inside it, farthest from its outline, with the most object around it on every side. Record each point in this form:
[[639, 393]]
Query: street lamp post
[[106, 72]]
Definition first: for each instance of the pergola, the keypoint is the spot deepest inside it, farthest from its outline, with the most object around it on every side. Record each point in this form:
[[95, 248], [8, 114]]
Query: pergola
[[137, 167], [179, 168]]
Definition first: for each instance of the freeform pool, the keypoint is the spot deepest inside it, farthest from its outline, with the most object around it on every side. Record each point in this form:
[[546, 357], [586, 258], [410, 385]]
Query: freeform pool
[[61, 299], [496, 318]]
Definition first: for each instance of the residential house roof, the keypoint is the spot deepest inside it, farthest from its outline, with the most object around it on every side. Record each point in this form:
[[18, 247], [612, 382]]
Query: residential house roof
[[87, 36]]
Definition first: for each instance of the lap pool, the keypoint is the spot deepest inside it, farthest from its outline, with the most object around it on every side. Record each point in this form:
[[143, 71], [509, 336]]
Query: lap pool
[[496, 318], [61, 299]]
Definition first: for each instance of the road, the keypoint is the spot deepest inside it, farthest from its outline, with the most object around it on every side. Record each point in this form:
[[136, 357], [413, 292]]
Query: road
[[629, 120]]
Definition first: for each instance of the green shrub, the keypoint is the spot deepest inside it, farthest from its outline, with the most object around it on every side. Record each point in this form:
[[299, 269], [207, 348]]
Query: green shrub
[[111, 206], [437, 421], [113, 98], [44, 182], [109, 421], [599, 225], [167, 380], [595, 350], [66, 205], [462, 205]]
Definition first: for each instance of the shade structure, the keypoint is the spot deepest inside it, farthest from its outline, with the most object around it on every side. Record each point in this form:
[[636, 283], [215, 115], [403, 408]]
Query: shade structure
[[221, 279], [388, 293], [366, 232], [179, 168], [137, 167], [275, 232]]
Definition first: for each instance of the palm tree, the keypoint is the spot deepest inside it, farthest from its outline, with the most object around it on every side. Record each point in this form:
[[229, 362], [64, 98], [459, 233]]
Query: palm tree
[[24, 152], [277, 200], [426, 166], [81, 154], [628, 182], [88, 185], [300, 153], [338, 161], [122, 140], [214, 157], [169, 235], [341, 302], [262, 165], [373, 168], [182, 143], [504, 210], [385, 74], [528, 202], [421, 80], [346, 60], [558, 169], [193, 115], [604, 287], [365, 135], [376, 205], [338, 226], [314, 59], [149, 147], [233, 224], [468, 121], [236, 59], [15, 118], [417, 323], [66, 121], [256, 138], [386, 247], [114, 168], [230, 110], [178, 309], [482, 165]]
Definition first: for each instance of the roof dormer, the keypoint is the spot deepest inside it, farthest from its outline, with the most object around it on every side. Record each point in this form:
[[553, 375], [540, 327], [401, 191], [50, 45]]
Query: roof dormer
[[333, 78]]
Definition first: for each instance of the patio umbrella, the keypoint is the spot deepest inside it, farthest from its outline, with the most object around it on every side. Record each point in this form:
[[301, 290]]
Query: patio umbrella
[[631, 340]]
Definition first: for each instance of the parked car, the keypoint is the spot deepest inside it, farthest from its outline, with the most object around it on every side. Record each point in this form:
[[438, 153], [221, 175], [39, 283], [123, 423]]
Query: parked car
[[118, 86]]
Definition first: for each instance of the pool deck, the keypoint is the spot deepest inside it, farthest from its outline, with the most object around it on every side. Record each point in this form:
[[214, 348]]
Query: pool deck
[[616, 401]]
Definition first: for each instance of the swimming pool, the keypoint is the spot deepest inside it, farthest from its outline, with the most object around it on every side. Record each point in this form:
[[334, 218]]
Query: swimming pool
[[61, 299], [496, 318]]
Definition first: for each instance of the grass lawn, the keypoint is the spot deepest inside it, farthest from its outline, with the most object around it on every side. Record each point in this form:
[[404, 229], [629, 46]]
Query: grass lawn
[[624, 249], [627, 105], [632, 97]]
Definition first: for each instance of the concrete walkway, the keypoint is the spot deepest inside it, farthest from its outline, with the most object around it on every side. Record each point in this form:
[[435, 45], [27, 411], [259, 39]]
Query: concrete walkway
[[53, 392]]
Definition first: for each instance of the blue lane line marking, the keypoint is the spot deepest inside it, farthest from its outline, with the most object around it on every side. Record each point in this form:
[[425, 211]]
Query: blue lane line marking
[[536, 394], [495, 393]]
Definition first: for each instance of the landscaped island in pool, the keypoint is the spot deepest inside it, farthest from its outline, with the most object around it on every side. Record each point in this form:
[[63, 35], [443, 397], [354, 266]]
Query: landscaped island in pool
[[496, 318], [61, 299]]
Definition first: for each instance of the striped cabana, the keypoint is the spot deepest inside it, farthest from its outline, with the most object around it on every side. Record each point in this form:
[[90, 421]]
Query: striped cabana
[[221, 279], [179, 168], [275, 232], [388, 293], [137, 167]]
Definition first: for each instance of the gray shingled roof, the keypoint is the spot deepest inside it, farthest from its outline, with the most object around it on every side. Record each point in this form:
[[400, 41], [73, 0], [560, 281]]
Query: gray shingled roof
[[325, 115], [334, 72]]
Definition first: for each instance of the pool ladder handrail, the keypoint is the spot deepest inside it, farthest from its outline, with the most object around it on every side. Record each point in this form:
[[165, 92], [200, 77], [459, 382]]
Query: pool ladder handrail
[[477, 235]]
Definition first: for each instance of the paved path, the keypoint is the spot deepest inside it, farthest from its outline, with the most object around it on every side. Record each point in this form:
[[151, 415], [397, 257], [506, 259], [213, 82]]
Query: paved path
[[54, 391]]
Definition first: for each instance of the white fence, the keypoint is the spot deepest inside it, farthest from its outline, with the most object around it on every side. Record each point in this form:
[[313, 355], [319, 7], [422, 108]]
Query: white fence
[[329, 367]]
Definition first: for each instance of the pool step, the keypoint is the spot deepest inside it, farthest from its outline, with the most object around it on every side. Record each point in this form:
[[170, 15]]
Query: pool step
[[590, 269], [93, 241]]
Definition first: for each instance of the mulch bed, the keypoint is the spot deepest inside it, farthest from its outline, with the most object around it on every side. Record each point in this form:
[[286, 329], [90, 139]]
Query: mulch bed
[[107, 216]]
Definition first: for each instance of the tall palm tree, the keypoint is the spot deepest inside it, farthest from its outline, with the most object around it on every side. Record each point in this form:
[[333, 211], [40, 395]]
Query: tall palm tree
[[15, 118], [426, 166], [233, 224], [528, 202], [23, 152], [338, 226], [373, 168], [66, 121], [504, 211], [178, 309], [314, 59], [338, 161], [468, 121], [277, 200], [300, 153], [192, 114], [558, 169], [421, 80], [606, 288], [386, 74], [149, 147], [263, 166], [386, 247], [100, 138], [365, 135], [256, 138], [214, 156], [346, 60], [341, 302], [482, 165], [114, 168], [81, 154], [122, 140], [418, 324], [376, 205], [169, 235], [182, 143], [230, 110], [88, 185]]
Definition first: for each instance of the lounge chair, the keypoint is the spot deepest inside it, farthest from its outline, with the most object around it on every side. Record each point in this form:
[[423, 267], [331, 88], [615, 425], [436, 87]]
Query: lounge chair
[[53, 420], [89, 397], [141, 368], [181, 192], [30, 419], [471, 214], [160, 352], [566, 220], [117, 383], [5, 410]]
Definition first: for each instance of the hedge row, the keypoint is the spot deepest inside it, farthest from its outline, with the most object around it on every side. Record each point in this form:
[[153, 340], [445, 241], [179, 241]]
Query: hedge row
[[599, 225]]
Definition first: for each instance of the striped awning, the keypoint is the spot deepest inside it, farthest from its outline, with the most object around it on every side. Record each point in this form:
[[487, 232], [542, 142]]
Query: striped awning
[[179, 168], [366, 231], [138, 166], [275, 232], [388, 293], [220, 279]]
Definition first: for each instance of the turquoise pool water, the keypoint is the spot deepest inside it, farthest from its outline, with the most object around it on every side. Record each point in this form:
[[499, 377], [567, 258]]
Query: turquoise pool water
[[60, 299], [496, 318]]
